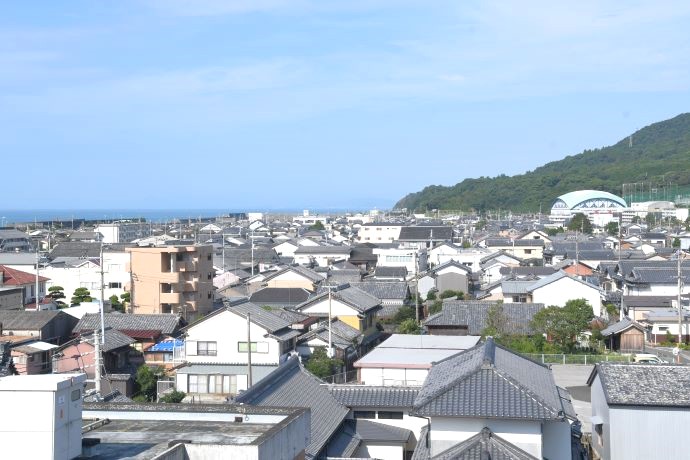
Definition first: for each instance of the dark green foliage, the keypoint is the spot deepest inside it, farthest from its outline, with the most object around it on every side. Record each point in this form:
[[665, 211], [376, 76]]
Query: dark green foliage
[[56, 292], [173, 397], [435, 307], [321, 365], [431, 295], [317, 226], [496, 322], [449, 293], [125, 297], [409, 326], [466, 244], [563, 325], [554, 231], [660, 152], [676, 243], [403, 314], [146, 380], [580, 223], [81, 295], [116, 304], [612, 228]]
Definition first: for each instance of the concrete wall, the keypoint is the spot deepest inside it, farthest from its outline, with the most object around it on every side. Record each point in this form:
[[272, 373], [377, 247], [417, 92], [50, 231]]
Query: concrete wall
[[556, 440], [600, 408], [380, 451]]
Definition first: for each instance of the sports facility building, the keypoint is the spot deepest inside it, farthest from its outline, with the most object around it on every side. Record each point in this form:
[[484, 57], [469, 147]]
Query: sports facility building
[[600, 207]]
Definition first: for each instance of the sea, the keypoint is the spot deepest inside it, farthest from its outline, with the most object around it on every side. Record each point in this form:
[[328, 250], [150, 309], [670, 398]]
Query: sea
[[18, 216]]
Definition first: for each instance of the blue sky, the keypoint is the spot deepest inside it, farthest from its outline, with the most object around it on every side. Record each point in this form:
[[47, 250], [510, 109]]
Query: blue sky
[[291, 104]]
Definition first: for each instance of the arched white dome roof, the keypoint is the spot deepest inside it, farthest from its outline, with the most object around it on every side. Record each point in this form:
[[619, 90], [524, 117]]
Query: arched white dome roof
[[576, 199]]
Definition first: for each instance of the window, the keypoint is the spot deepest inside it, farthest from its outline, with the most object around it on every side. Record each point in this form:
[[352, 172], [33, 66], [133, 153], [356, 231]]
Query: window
[[383, 414], [257, 347], [663, 328], [115, 285], [599, 429], [76, 394], [365, 414], [179, 257], [528, 251], [209, 257], [206, 348]]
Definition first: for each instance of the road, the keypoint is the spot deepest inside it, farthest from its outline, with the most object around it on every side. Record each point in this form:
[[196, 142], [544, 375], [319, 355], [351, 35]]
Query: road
[[666, 353], [573, 377]]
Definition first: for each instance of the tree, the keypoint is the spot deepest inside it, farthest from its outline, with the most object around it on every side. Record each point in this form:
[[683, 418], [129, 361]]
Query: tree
[[409, 326], [580, 223], [563, 325], [431, 295], [436, 307], [116, 304], [317, 226], [466, 244], [146, 381], [448, 293], [676, 242], [612, 228], [56, 292], [554, 231], [321, 365], [81, 295], [496, 321], [125, 298]]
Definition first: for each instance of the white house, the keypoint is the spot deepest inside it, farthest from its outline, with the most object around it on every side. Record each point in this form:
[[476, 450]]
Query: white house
[[216, 350], [490, 399], [406, 359], [639, 410], [559, 288], [323, 256], [379, 232]]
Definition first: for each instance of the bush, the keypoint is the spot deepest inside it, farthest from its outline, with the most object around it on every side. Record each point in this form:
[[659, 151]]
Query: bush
[[409, 326], [431, 295], [435, 307], [174, 397], [321, 365]]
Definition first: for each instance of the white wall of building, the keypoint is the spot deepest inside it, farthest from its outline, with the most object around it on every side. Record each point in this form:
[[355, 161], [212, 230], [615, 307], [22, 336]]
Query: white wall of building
[[380, 451], [392, 376], [561, 291], [448, 431]]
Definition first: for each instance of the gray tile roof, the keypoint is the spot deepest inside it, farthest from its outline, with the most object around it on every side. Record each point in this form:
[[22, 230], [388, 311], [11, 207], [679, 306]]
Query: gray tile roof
[[168, 324], [490, 381], [665, 385], [504, 242], [426, 233], [280, 295], [526, 271], [292, 386], [484, 445], [384, 290], [26, 320], [259, 315], [318, 250], [76, 249], [593, 254], [343, 335], [510, 287], [625, 267], [658, 275], [378, 432], [556, 277], [474, 315], [113, 340], [621, 326], [374, 396], [390, 272], [347, 275], [291, 316]]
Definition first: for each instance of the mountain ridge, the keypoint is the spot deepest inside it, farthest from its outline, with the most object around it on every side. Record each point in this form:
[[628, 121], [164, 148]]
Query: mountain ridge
[[659, 152]]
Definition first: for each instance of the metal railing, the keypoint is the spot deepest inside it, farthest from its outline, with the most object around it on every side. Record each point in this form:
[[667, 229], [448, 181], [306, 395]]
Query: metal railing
[[577, 359]]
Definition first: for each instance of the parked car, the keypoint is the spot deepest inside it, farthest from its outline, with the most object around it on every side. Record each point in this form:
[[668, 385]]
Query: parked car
[[648, 358]]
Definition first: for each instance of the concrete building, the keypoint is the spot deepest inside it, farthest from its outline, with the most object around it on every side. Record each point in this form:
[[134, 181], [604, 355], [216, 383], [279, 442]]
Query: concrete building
[[172, 279], [122, 232], [379, 232], [600, 207], [45, 421]]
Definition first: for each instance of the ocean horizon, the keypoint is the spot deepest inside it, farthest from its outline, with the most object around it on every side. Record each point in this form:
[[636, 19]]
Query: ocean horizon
[[20, 216]]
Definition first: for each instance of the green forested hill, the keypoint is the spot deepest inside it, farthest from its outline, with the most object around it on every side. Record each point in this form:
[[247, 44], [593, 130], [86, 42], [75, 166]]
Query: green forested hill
[[659, 152]]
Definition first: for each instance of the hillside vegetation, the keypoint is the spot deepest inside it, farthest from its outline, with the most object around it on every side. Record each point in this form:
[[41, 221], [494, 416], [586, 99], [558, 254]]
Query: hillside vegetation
[[659, 152]]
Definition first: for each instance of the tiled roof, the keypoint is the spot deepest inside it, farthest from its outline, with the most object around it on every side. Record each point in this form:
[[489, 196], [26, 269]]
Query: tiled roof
[[388, 272], [384, 290], [423, 233], [292, 386], [167, 324], [14, 277], [27, 320], [490, 381], [509, 287], [378, 432], [620, 326], [79, 249], [526, 271], [591, 254], [475, 314], [654, 275], [374, 396], [556, 277], [347, 275], [625, 267], [484, 445], [280, 295], [342, 334], [341, 250], [664, 385], [113, 340], [291, 316], [506, 242], [259, 315]]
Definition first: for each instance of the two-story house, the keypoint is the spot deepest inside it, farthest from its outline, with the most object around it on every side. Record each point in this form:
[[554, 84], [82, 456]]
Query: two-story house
[[232, 348]]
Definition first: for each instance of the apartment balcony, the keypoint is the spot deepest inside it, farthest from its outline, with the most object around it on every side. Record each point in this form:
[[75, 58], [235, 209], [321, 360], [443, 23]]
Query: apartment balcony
[[170, 277], [171, 297], [190, 286], [187, 266]]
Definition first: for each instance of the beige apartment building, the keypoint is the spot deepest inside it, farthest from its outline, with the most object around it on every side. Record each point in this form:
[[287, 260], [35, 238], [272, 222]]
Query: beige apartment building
[[172, 279]]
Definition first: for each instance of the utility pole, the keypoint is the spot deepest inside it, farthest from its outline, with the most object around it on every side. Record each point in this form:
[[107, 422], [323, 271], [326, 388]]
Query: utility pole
[[330, 334], [223, 234], [416, 287], [102, 297], [249, 351], [98, 361], [680, 305], [251, 236], [38, 261]]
